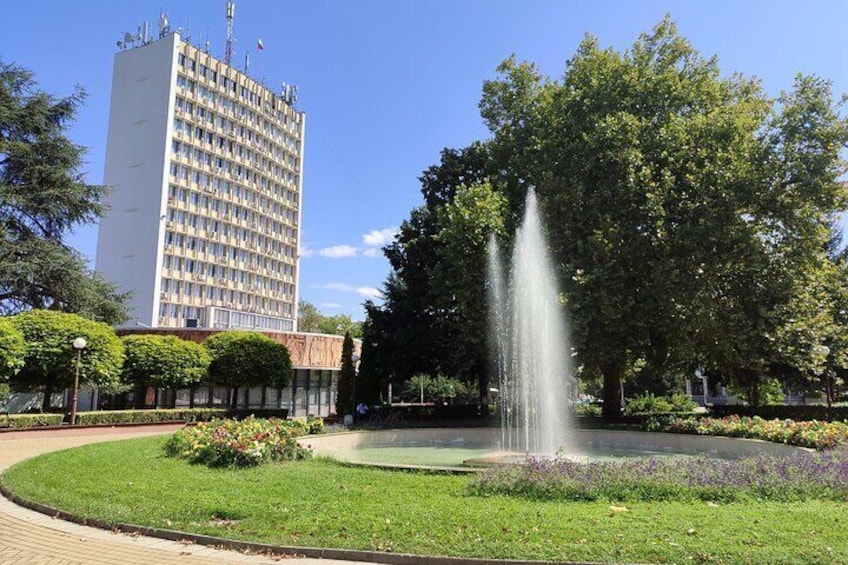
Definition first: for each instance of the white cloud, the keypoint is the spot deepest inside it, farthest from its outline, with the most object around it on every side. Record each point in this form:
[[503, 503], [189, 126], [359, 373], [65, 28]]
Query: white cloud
[[333, 305], [363, 291], [341, 287], [371, 252], [305, 251], [379, 238], [369, 292], [339, 252]]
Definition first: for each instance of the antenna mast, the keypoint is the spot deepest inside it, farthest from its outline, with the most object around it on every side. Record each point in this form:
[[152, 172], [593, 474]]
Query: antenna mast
[[231, 12]]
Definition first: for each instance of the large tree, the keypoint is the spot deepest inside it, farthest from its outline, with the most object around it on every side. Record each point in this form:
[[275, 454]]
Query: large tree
[[416, 328], [476, 214], [50, 360], [680, 204], [43, 196]]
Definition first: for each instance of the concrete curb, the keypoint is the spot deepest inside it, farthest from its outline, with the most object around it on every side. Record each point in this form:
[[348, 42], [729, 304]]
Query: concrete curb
[[269, 549]]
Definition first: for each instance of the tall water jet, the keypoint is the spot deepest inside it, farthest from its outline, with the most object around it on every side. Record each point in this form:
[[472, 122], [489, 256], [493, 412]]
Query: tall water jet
[[530, 342]]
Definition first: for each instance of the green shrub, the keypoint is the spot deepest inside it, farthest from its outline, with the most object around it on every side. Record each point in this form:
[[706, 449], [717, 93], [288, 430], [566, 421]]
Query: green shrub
[[647, 404], [30, 420], [239, 443], [588, 409], [655, 405], [314, 425], [682, 403]]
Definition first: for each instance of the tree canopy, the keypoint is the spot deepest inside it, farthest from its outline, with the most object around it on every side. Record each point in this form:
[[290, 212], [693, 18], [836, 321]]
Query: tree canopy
[[163, 361], [309, 319], [43, 196], [247, 359], [12, 350], [430, 320], [50, 359], [687, 210]]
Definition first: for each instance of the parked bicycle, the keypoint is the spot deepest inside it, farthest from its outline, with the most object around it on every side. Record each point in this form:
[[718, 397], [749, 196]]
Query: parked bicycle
[[385, 418]]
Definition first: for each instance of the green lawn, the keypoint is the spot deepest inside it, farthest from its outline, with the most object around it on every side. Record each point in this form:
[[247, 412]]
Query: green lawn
[[321, 503]]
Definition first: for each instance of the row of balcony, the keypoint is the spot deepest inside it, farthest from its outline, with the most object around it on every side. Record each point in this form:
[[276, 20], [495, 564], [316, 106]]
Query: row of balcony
[[252, 267], [267, 253], [265, 215], [275, 152]]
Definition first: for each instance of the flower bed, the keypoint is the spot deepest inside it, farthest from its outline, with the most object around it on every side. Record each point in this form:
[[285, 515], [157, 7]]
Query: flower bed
[[818, 475], [816, 434], [245, 443]]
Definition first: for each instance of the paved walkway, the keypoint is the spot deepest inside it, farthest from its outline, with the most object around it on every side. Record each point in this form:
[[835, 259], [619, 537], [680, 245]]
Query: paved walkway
[[32, 538]]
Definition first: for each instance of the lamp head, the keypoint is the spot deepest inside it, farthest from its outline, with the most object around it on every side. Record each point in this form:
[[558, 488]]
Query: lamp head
[[80, 343]]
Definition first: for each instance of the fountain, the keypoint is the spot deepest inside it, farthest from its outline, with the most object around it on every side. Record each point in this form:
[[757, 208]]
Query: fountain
[[532, 356], [530, 341]]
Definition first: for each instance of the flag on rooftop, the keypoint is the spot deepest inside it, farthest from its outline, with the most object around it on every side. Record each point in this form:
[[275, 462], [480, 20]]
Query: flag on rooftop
[[260, 46]]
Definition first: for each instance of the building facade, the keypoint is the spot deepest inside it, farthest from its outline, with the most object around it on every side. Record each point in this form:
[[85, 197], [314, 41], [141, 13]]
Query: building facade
[[204, 166], [316, 360]]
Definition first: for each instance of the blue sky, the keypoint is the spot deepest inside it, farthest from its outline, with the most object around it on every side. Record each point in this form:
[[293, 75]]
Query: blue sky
[[387, 84]]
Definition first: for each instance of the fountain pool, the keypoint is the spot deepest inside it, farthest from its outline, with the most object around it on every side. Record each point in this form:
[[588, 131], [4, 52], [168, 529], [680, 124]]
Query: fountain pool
[[472, 448]]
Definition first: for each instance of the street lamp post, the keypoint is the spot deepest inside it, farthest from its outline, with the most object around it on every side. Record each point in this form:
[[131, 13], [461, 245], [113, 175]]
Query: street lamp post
[[79, 344], [353, 360], [823, 351]]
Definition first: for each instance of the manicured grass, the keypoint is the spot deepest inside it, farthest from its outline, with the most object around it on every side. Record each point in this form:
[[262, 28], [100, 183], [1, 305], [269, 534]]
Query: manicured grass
[[321, 503]]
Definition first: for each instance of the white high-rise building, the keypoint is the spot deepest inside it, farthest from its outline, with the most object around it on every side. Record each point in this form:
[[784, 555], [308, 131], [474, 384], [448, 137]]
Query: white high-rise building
[[205, 167]]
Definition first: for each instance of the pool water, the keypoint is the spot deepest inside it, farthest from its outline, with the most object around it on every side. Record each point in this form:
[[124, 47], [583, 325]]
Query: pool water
[[459, 454]]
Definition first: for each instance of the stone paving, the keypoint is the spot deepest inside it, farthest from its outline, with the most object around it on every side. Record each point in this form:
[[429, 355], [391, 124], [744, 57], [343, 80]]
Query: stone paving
[[32, 538]]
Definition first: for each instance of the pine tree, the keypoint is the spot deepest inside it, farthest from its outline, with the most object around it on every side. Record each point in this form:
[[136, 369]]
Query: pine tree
[[43, 197]]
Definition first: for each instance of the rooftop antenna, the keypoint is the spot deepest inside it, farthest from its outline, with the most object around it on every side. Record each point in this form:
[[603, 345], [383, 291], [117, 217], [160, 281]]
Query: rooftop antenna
[[247, 63], [231, 12], [164, 26]]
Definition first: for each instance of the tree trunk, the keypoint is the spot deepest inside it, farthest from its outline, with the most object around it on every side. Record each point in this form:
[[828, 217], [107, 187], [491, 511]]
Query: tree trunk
[[828, 395], [234, 399], [755, 390], [612, 390], [48, 392], [140, 396]]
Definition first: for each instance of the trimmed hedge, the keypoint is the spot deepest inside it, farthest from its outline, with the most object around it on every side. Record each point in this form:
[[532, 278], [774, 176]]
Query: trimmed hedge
[[149, 416], [112, 417], [242, 413], [799, 413], [173, 415], [30, 420]]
